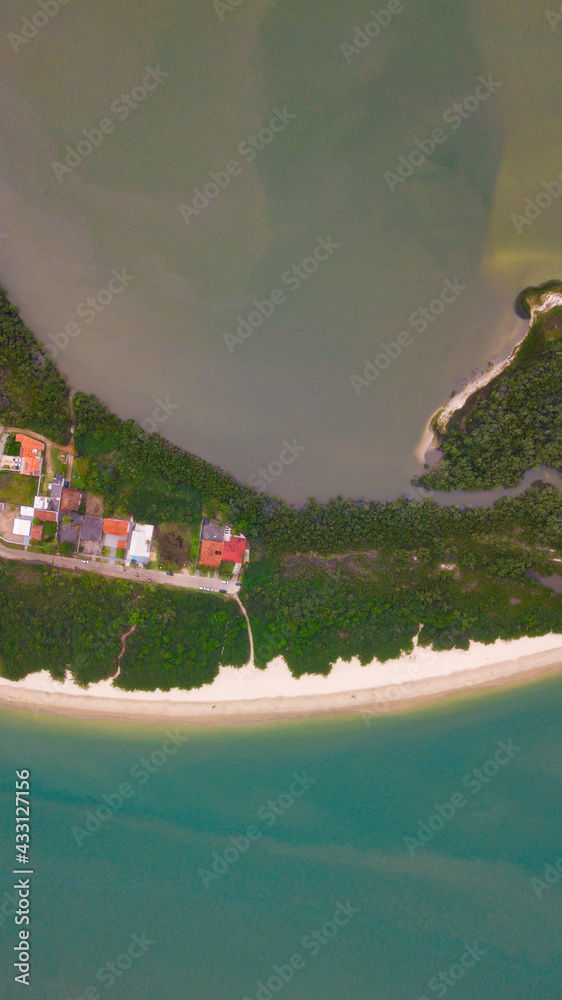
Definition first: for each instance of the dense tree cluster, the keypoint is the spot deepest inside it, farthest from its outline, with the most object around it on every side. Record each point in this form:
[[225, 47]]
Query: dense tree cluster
[[371, 603], [75, 622], [33, 393], [511, 425]]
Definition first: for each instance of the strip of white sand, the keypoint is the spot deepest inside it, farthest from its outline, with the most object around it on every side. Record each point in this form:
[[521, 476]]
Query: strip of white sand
[[249, 694], [505, 355]]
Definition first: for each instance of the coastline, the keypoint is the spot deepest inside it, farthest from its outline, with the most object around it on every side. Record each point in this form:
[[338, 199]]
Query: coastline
[[441, 416], [251, 695]]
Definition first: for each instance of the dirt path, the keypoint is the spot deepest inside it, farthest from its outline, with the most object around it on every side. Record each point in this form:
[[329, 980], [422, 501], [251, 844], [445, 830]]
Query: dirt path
[[250, 636], [124, 638]]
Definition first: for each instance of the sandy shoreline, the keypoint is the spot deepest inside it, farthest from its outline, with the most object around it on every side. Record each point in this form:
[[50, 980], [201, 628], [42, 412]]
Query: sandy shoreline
[[443, 414], [251, 695]]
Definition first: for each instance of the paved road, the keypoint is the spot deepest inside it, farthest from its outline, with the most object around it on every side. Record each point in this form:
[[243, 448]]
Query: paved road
[[184, 580]]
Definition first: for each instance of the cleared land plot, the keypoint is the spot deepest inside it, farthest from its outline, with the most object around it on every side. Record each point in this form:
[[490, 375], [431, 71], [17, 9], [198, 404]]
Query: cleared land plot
[[15, 488]]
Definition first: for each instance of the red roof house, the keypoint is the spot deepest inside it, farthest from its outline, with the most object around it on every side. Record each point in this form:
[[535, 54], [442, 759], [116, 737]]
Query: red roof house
[[44, 515], [30, 454], [234, 549], [210, 554], [70, 500], [118, 530]]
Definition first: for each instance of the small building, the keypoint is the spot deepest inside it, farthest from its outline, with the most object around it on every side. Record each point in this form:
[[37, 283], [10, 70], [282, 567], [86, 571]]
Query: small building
[[212, 531], [140, 543], [22, 526], [27, 512], [70, 500], [219, 545], [44, 515], [57, 487], [234, 549], [115, 533], [30, 455], [210, 554], [36, 532], [92, 529], [69, 532]]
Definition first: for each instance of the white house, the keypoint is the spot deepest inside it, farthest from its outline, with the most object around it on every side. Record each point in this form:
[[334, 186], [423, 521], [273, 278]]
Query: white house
[[22, 526], [140, 542]]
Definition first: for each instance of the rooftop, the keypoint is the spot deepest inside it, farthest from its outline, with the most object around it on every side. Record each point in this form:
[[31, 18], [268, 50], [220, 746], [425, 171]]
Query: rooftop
[[140, 541], [211, 553], [69, 532], [92, 529], [114, 527], [30, 454], [234, 549], [22, 526], [212, 531], [45, 515], [70, 500], [57, 486]]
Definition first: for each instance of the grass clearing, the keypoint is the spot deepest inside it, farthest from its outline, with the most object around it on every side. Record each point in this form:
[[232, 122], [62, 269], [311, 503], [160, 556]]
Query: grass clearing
[[17, 489]]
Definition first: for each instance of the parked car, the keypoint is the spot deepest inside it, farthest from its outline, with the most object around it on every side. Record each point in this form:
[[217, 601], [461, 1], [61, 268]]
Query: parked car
[[224, 581], [238, 584], [150, 581], [223, 591], [169, 572], [202, 588]]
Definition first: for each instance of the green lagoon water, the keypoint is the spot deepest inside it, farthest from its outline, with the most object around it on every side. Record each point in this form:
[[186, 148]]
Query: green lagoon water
[[340, 842]]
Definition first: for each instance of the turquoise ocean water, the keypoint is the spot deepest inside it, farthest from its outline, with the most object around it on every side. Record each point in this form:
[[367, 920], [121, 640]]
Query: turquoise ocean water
[[406, 911]]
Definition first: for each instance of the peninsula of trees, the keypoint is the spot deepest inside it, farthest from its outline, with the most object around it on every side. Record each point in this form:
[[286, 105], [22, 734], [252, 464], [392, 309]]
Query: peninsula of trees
[[515, 422]]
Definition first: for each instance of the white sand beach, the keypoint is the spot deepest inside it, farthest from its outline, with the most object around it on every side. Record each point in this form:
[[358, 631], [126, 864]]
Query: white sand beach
[[506, 351], [248, 694]]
